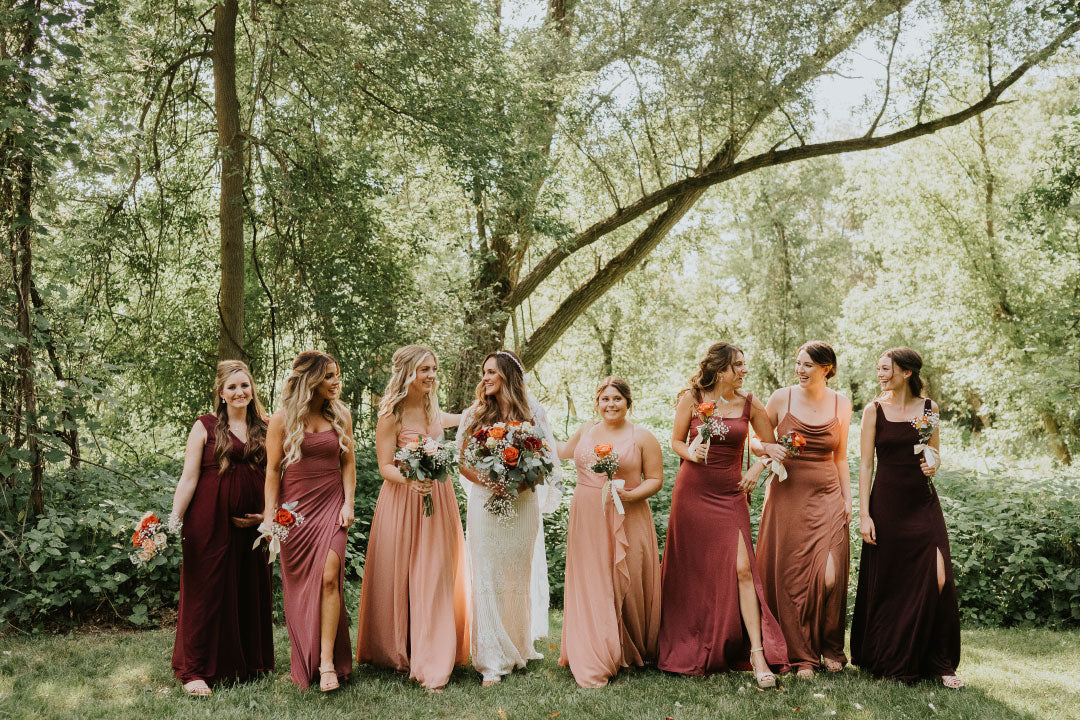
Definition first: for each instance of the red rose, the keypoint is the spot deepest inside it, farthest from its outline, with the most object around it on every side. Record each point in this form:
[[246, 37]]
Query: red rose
[[532, 443], [284, 518], [510, 456]]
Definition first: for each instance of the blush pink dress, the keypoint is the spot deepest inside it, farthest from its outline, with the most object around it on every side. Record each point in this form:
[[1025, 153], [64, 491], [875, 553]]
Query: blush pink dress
[[612, 594], [413, 614]]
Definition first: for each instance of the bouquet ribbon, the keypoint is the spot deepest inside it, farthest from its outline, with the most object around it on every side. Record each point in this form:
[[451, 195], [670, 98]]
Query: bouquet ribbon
[[612, 487], [273, 542], [933, 457], [696, 443], [776, 468]]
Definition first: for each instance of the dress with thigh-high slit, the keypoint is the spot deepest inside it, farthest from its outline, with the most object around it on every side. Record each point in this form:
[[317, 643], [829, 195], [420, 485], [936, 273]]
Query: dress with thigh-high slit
[[904, 627], [314, 483], [701, 625], [802, 525]]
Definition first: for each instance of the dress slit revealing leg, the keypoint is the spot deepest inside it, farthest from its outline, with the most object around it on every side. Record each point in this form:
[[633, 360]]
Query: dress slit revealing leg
[[940, 571]]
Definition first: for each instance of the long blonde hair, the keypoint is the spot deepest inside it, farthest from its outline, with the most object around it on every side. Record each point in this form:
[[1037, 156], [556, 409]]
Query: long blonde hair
[[403, 372], [255, 447], [511, 393], [308, 370]]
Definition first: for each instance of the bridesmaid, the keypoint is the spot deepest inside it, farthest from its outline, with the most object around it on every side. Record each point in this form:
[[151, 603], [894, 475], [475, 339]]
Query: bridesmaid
[[223, 631], [803, 536], [611, 599], [413, 602], [713, 612], [907, 623], [309, 460]]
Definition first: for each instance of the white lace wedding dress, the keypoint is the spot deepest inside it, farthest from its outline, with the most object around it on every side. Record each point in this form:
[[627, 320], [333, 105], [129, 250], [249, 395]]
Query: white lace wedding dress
[[508, 568]]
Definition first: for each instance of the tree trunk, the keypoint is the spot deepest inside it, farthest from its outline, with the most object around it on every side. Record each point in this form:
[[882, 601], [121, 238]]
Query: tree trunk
[[1053, 433], [231, 147]]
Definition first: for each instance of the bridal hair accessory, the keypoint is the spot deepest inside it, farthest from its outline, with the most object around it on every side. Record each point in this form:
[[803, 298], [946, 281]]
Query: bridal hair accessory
[[513, 359]]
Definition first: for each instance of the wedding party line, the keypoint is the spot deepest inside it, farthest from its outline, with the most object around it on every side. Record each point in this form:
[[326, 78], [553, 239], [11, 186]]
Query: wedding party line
[[434, 596]]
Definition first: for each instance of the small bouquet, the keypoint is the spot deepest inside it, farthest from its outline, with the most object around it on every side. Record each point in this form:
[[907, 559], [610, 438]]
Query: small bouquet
[[606, 460], [426, 459], [277, 531], [925, 425], [710, 427], [793, 442], [150, 538], [508, 455]]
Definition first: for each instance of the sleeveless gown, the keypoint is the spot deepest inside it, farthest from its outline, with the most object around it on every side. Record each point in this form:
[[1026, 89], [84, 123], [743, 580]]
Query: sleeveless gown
[[701, 626], [611, 598], [903, 627], [802, 523], [413, 614], [315, 484], [223, 631]]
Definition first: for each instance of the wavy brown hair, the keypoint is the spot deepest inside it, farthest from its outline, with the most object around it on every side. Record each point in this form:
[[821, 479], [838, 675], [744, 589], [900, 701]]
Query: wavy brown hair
[[308, 370], [821, 353], [511, 393], [621, 386], [905, 358], [718, 358], [255, 447]]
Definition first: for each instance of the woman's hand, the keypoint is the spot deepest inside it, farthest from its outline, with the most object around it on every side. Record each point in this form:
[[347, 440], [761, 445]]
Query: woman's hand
[[345, 517], [750, 477], [775, 451], [700, 453], [421, 487], [627, 496], [926, 469], [867, 530], [247, 520], [847, 512]]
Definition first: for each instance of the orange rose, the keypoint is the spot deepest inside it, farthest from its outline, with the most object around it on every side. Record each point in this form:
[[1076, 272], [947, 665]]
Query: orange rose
[[148, 520], [137, 539], [513, 423], [706, 409], [284, 518], [510, 456], [797, 440], [497, 432], [602, 451]]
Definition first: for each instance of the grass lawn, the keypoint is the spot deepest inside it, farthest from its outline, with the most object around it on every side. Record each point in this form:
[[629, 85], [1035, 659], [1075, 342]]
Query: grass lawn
[[86, 674]]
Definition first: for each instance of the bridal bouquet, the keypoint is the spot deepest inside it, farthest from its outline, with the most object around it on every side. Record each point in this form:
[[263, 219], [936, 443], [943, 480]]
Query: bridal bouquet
[[793, 442], [426, 459], [149, 539], [277, 531], [606, 461], [924, 425], [711, 426], [509, 455]]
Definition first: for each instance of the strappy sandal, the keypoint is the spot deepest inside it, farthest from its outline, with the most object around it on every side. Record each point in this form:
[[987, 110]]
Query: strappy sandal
[[764, 680], [833, 666], [325, 686], [197, 690], [953, 682], [805, 673]]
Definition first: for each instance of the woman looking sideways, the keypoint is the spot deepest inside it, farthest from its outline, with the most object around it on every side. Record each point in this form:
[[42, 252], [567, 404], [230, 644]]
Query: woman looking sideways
[[907, 622], [309, 461]]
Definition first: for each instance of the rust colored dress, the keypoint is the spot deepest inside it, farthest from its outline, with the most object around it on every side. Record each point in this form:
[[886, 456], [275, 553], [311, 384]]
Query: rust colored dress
[[611, 599], [413, 614], [223, 631], [701, 626], [802, 523], [903, 627]]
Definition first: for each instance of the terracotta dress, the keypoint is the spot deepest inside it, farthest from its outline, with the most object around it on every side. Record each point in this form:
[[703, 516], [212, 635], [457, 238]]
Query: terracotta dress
[[611, 599], [315, 484], [413, 614], [903, 627], [802, 523], [223, 631], [701, 626]]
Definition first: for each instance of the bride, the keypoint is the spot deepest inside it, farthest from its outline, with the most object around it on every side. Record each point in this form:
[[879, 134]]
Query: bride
[[506, 557]]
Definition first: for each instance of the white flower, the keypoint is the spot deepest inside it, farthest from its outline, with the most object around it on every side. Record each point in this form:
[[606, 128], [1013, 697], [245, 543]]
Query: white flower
[[159, 539], [526, 426], [491, 443], [430, 446]]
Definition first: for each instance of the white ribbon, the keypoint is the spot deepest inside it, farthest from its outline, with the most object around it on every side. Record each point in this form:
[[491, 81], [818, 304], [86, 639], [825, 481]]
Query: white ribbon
[[273, 543], [613, 486], [933, 457], [777, 468]]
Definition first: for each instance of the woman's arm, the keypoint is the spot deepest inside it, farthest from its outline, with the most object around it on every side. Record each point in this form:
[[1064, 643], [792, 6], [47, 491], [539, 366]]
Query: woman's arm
[[684, 411], [450, 419], [275, 453], [652, 468], [386, 447], [567, 449], [348, 477], [189, 477], [467, 471], [843, 470], [763, 444], [935, 442], [866, 472]]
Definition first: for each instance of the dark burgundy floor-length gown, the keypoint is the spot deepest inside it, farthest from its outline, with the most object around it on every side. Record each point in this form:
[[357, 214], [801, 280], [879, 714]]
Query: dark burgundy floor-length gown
[[701, 626], [903, 627], [223, 631]]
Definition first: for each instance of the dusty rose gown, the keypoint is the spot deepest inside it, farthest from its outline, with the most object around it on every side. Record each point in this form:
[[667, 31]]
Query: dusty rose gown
[[611, 598], [315, 484], [701, 627], [413, 615], [802, 523]]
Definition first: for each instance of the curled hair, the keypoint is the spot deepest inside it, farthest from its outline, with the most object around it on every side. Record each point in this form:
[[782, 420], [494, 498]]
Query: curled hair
[[907, 359], [718, 358], [620, 385], [511, 394], [403, 371], [308, 370], [255, 447], [821, 353]]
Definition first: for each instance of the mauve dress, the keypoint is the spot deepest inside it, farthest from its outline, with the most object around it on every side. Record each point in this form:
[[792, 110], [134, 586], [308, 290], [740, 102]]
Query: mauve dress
[[223, 631], [314, 483], [701, 626], [611, 600], [413, 614], [802, 523], [903, 627]]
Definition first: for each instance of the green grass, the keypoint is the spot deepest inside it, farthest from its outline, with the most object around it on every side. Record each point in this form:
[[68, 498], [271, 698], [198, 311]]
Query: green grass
[[1010, 673]]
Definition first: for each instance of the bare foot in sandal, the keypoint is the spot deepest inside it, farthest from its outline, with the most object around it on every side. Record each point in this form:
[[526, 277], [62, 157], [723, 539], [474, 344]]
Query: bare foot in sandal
[[805, 673], [833, 665], [953, 682], [197, 688], [328, 679]]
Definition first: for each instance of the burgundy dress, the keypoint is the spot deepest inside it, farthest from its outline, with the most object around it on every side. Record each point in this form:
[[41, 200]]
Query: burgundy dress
[[223, 631], [903, 627], [701, 626]]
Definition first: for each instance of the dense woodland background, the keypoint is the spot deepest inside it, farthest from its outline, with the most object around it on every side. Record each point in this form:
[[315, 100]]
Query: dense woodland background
[[602, 185]]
